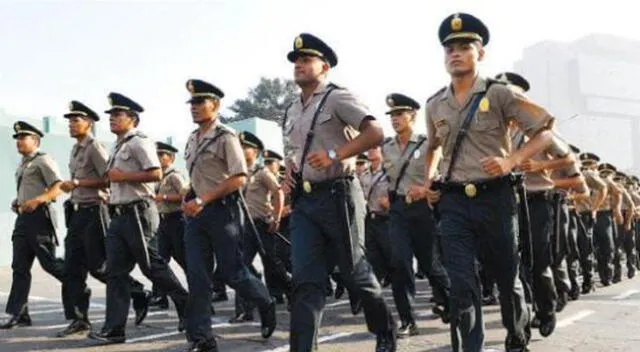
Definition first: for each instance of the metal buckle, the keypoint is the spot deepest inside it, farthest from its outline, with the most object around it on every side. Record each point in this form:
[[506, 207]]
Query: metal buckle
[[306, 186], [470, 190], [76, 207], [408, 199], [118, 211], [373, 216]]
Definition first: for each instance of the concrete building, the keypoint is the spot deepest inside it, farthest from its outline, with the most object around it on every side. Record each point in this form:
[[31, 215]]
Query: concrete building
[[590, 85]]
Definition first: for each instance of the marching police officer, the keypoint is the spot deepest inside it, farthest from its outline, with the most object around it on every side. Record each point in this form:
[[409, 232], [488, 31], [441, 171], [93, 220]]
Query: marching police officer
[[607, 215], [38, 184], [327, 222], [218, 171], [87, 220], [411, 223], [624, 241], [468, 143], [262, 185], [131, 237], [375, 186], [169, 193]]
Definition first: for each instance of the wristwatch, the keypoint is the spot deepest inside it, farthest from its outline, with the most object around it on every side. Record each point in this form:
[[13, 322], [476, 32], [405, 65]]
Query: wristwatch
[[332, 154], [76, 182], [198, 201]]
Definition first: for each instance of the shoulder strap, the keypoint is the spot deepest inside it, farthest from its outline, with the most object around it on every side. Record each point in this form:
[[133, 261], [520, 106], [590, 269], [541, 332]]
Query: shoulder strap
[[373, 185], [199, 149], [310, 134], [407, 160], [286, 116], [119, 146], [19, 182], [463, 129]]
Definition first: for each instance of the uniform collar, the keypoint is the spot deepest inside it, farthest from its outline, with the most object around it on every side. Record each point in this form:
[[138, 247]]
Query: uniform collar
[[479, 86], [168, 169], [413, 138], [210, 132], [31, 155], [129, 133], [85, 142]]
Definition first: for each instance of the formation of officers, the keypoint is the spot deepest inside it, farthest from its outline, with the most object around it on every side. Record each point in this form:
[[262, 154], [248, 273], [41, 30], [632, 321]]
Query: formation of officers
[[493, 204]]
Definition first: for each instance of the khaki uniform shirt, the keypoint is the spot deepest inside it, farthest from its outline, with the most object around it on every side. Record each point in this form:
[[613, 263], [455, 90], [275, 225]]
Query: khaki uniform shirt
[[487, 135], [172, 183], [36, 173], [375, 184], [88, 161], [337, 124], [394, 158], [136, 155], [261, 186], [596, 185], [210, 163]]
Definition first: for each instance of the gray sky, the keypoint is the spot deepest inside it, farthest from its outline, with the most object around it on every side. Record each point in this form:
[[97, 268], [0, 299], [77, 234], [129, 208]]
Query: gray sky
[[52, 52]]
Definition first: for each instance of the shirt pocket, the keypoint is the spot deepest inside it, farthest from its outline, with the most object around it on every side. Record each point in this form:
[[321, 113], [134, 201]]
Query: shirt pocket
[[323, 118], [484, 122]]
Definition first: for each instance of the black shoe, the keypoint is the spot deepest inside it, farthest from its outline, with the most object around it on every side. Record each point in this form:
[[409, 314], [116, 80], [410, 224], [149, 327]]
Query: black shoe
[[203, 346], [407, 329], [356, 305], [339, 292], [241, 318], [441, 311], [141, 306], [386, 342], [16, 320], [563, 298], [75, 327], [160, 302], [574, 295], [489, 300], [516, 344], [268, 320], [219, 296], [587, 287], [108, 337], [631, 273], [547, 325]]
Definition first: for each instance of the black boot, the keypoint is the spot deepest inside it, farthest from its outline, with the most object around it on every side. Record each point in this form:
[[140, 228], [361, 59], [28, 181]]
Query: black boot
[[76, 326]]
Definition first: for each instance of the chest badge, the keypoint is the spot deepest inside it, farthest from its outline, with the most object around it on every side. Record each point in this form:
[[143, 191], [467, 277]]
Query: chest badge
[[484, 105]]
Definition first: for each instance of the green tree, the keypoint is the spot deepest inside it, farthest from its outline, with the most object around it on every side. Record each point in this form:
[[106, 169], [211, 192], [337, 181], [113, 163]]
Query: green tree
[[267, 100]]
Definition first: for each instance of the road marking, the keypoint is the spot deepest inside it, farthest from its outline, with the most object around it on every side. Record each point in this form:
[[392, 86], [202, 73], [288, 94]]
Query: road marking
[[339, 335], [574, 318], [625, 294], [45, 299], [93, 322], [219, 322], [46, 311], [335, 304]]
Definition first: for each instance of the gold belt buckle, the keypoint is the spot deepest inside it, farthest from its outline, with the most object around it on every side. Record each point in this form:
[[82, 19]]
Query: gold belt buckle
[[470, 190], [373, 216], [408, 199], [306, 186], [75, 206]]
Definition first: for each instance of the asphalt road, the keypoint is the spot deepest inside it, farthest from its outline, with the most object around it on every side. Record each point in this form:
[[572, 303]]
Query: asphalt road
[[607, 320]]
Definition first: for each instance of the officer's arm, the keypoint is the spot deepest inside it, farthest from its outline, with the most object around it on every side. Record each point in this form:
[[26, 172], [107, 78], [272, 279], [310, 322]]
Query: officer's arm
[[371, 135], [532, 119], [236, 168], [177, 185], [52, 178], [434, 151], [272, 185], [350, 110], [576, 183], [99, 158], [630, 207]]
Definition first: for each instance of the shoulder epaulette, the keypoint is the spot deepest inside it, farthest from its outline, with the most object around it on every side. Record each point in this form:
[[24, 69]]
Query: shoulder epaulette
[[436, 93], [422, 136], [140, 134], [226, 129], [334, 86]]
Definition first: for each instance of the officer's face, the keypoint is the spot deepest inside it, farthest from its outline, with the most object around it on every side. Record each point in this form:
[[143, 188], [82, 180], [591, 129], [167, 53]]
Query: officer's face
[[204, 109], [309, 69], [361, 167], [273, 166], [401, 120], [250, 153], [374, 155], [166, 159], [461, 57], [79, 126], [27, 144], [120, 122]]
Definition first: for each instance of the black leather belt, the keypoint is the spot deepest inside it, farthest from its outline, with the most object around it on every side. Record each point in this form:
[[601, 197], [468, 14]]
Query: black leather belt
[[327, 185], [82, 206], [471, 189], [377, 216], [121, 209], [540, 195], [173, 214]]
